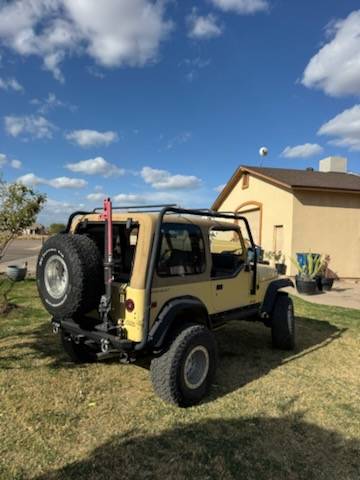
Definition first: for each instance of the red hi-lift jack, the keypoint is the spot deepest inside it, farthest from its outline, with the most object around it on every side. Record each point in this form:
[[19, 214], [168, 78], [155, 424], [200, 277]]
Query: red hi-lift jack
[[105, 302]]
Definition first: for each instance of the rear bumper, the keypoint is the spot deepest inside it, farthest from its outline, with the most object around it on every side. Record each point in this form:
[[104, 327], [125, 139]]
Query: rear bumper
[[74, 329]]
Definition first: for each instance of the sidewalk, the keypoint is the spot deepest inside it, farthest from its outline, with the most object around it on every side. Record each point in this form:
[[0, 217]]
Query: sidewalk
[[344, 293]]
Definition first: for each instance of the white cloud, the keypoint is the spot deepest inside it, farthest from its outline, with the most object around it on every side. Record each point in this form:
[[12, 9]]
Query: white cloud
[[220, 188], [179, 139], [11, 84], [16, 164], [96, 196], [203, 26], [66, 182], [34, 126], [146, 198], [4, 160], [162, 179], [59, 182], [345, 127], [114, 33], [243, 7], [50, 103], [335, 69], [302, 151], [96, 166], [57, 211], [91, 138]]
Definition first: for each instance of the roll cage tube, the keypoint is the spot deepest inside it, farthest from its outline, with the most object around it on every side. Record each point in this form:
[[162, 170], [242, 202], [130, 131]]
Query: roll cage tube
[[155, 248]]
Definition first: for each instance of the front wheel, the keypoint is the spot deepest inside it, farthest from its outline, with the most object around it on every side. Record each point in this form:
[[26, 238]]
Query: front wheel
[[183, 374], [283, 323]]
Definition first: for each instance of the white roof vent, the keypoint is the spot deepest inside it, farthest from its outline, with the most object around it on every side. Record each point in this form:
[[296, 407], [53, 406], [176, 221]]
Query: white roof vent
[[333, 164]]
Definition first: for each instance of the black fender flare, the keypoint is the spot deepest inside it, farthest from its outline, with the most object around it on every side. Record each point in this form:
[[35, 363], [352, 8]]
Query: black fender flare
[[270, 295], [169, 317]]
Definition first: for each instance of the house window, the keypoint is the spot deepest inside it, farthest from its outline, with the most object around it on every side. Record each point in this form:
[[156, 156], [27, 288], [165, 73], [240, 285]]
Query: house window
[[279, 238], [182, 250], [227, 252], [245, 181]]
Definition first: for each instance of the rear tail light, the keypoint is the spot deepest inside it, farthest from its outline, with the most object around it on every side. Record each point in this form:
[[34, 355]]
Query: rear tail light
[[129, 305]]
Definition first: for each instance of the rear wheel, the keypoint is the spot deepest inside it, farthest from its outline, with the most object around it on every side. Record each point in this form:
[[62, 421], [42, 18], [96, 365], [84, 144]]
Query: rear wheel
[[78, 352], [283, 323], [183, 374]]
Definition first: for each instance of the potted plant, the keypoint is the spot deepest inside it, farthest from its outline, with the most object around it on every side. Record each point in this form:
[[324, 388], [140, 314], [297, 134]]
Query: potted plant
[[279, 260], [16, 273], [326, 276], [305, 280]]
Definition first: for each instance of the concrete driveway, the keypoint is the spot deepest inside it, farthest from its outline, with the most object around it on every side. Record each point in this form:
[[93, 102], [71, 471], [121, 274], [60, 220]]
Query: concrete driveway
[[344, 293], [21, 251]]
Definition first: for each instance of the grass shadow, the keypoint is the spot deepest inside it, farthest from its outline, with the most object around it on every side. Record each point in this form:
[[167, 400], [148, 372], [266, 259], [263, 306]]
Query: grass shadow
[[249, 448]]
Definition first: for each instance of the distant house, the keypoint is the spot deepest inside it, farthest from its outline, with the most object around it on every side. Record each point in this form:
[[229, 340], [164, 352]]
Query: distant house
[[35, 229], [301, 211]]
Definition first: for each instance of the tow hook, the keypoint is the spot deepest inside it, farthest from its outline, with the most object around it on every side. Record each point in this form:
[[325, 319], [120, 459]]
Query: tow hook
[[55, 327], [104, 345]]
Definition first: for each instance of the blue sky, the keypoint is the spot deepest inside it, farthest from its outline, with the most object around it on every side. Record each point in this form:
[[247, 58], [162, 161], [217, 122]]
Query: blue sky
[[161, 101]]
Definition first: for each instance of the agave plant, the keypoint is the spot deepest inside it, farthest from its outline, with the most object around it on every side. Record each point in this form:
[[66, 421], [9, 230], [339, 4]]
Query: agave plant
[[311, 269]]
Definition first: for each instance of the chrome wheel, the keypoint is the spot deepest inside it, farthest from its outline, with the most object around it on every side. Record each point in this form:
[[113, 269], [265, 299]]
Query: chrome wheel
[[196, 367], [56, 276]]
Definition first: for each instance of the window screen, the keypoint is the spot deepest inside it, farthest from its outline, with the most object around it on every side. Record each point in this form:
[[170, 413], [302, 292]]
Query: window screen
[[182, 251]]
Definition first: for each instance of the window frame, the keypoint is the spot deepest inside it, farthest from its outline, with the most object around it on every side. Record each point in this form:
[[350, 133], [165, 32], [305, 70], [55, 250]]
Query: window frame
[[201, 239], [232, 228]]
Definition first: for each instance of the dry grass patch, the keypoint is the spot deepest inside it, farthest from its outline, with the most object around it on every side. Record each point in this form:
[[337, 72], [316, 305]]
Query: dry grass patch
[[271, 414]]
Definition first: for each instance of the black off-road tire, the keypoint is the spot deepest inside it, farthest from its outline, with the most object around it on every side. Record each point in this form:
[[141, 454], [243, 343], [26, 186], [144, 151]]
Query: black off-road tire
[[78, 353], [85, 275], [167, 369], [283, 323]]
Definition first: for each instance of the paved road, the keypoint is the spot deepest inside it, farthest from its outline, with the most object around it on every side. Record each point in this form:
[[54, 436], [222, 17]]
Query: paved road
[[21, 251]]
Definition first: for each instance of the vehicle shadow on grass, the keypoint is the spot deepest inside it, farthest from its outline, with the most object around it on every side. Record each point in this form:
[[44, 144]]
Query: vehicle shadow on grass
[[246, 353], [245, 448]]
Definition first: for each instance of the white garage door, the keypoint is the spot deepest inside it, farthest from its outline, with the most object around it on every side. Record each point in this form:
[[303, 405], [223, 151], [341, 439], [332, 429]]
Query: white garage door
[[254, 218]]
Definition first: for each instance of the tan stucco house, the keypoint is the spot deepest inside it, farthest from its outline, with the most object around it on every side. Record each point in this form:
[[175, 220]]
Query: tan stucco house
[[301, 211]]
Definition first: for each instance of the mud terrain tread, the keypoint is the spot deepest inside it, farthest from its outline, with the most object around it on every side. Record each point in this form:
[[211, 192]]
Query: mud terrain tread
[[92, 271], [86, 277], [165, 369], [282, 336]]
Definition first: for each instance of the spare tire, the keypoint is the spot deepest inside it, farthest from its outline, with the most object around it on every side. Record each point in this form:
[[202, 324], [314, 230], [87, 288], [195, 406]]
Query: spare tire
[[70, 276]]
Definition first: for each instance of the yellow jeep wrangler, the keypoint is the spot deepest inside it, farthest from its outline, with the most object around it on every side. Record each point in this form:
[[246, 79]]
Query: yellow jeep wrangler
[[158, 280]]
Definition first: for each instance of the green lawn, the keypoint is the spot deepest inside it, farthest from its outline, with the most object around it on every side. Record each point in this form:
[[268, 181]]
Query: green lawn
[[271, 415]]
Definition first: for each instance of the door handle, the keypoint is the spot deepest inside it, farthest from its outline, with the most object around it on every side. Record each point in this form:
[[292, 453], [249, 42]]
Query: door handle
[[219, 286]]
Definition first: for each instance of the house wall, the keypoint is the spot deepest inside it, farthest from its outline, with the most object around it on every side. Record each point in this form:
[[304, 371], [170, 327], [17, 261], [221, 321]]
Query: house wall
[[329, 223], [277, 209]]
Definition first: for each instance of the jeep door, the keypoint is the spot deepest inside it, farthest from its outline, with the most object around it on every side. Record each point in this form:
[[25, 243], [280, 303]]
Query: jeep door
[[230, 275]]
